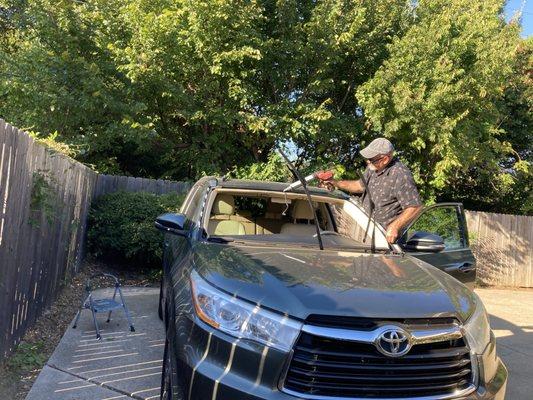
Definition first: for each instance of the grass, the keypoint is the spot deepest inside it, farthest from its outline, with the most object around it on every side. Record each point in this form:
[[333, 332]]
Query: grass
[[27, 357]]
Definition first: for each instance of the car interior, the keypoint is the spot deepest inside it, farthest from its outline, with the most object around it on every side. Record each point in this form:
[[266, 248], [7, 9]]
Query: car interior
[[263, 213]]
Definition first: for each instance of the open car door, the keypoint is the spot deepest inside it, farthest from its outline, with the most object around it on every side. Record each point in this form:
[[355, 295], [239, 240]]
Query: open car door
[[439, 236]]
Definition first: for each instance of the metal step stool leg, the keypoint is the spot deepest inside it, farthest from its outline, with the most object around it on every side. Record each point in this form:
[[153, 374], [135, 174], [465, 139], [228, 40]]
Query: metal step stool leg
[[78, 314], [132, 328], [109, 314], [98, 336]]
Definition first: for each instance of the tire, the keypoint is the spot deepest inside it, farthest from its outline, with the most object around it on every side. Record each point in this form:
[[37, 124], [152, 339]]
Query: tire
[[160, 308], [166, 376], [170, 386]]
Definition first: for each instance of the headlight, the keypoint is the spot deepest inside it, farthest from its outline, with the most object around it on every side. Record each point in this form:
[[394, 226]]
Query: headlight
[[240, 319], [478, 328], [482, 341]]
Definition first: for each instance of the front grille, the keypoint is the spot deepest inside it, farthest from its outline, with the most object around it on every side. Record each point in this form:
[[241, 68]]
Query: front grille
[[339, 368], [368, 324]]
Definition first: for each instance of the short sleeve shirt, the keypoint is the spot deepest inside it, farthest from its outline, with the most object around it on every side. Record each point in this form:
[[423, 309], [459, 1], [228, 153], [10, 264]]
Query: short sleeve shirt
[[392, 190]]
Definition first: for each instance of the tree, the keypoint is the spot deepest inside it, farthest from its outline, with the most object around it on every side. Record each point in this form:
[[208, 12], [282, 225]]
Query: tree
[[225, 81], [509, 189], [177, 89], [437, 95], [61, 78]]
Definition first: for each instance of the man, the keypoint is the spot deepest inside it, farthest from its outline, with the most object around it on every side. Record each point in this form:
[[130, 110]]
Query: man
[[391, 188]]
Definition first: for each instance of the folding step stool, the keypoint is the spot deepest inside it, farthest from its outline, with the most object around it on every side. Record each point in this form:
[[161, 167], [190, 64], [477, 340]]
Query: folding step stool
[[103, 305]]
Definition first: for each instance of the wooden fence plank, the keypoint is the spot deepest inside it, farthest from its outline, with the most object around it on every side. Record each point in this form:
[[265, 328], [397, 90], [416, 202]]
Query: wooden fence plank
[[502, 245]]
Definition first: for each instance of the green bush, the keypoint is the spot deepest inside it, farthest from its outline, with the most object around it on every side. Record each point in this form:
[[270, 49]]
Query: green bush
[[121, 226]]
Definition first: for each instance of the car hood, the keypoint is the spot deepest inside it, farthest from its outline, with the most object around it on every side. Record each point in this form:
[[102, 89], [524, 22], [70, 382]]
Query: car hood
[[305, 281]]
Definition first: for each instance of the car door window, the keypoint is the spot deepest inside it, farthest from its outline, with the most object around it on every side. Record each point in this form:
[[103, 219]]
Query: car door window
[[443, 221]]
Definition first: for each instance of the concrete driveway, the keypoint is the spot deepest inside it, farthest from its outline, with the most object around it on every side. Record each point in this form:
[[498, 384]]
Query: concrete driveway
[[511, 317], [125, 365]]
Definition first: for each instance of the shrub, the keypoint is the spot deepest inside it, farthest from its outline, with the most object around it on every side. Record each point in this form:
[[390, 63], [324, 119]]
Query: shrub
[[121, 226]]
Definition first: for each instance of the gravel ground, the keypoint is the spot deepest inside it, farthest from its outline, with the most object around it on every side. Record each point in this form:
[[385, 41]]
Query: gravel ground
[[18, 373]]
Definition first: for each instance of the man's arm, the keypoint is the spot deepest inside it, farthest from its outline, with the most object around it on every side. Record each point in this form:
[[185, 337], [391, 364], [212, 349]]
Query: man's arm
[[396, 226], [348, 186]]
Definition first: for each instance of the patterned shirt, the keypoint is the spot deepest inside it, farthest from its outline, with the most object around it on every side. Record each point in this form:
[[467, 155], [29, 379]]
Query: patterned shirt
[[392, 190]]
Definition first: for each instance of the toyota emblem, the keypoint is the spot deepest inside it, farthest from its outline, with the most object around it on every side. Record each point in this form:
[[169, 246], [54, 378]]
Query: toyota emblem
[[394, 342]]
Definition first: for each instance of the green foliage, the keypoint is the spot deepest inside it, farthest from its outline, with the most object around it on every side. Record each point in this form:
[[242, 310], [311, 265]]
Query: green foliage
[[508, 188], [442, 221], [43, 198], [437, 94], [121, 226], [274, 169], [178, 89], [175, 89], [27, 357], [52, 143]]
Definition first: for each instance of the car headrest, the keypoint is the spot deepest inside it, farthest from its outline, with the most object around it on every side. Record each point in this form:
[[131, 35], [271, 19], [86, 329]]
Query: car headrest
[[224, 205], [301, 210], [275, 207]]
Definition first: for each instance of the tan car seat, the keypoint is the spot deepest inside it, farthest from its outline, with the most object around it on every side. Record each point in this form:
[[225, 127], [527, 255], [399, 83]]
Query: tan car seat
[[224, 207], [300, 211], [273, 219], [246, 219]]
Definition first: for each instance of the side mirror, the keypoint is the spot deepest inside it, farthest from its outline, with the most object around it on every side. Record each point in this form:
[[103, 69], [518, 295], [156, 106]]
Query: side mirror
[[173, 223], [424, 241]]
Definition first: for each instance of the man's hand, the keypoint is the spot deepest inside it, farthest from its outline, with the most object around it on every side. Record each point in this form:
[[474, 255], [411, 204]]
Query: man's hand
[[329, 184], [394, 229], [392, 234], [326, 180]]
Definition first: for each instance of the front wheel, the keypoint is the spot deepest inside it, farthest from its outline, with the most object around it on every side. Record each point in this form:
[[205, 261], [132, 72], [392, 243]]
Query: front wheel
[[161, 301], [170, 388], [166, 375]]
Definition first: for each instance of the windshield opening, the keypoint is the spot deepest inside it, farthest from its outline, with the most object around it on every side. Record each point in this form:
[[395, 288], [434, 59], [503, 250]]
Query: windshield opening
[[275, 217]]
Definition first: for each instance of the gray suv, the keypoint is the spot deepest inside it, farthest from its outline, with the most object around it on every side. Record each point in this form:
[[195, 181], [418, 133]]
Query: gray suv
[[255, 308]]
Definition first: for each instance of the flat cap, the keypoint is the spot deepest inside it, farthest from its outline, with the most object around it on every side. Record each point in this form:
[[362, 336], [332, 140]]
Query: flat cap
[[376, 147]]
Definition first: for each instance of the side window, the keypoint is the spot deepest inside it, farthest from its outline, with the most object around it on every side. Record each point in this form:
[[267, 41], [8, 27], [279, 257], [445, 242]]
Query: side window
[[347, 225], [444, 221]]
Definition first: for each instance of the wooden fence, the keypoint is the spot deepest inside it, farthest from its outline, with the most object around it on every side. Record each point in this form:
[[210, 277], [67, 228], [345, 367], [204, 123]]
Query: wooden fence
[[112, 183], [503, 246], [44, 201]]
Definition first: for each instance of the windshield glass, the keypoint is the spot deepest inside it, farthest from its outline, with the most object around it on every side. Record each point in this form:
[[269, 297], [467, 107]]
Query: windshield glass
[[275, 217]]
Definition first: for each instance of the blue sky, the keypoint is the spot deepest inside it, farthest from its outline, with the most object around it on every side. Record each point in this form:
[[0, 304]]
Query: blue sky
[[527, 14]]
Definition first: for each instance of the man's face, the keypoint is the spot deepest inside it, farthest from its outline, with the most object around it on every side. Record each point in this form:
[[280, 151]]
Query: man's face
[[379, 162]]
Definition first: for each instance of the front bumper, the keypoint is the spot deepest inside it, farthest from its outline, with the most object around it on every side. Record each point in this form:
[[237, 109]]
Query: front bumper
[[213, 365]]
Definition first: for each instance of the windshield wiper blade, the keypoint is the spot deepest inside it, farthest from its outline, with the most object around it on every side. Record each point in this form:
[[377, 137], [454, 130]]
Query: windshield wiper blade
[[296, 173], [370, 214]]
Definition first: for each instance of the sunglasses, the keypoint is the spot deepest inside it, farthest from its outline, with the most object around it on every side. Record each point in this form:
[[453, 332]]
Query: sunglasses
[[375, 159]]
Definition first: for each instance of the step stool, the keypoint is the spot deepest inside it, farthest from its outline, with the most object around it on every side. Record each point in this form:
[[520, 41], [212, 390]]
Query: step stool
[[103, 305]]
